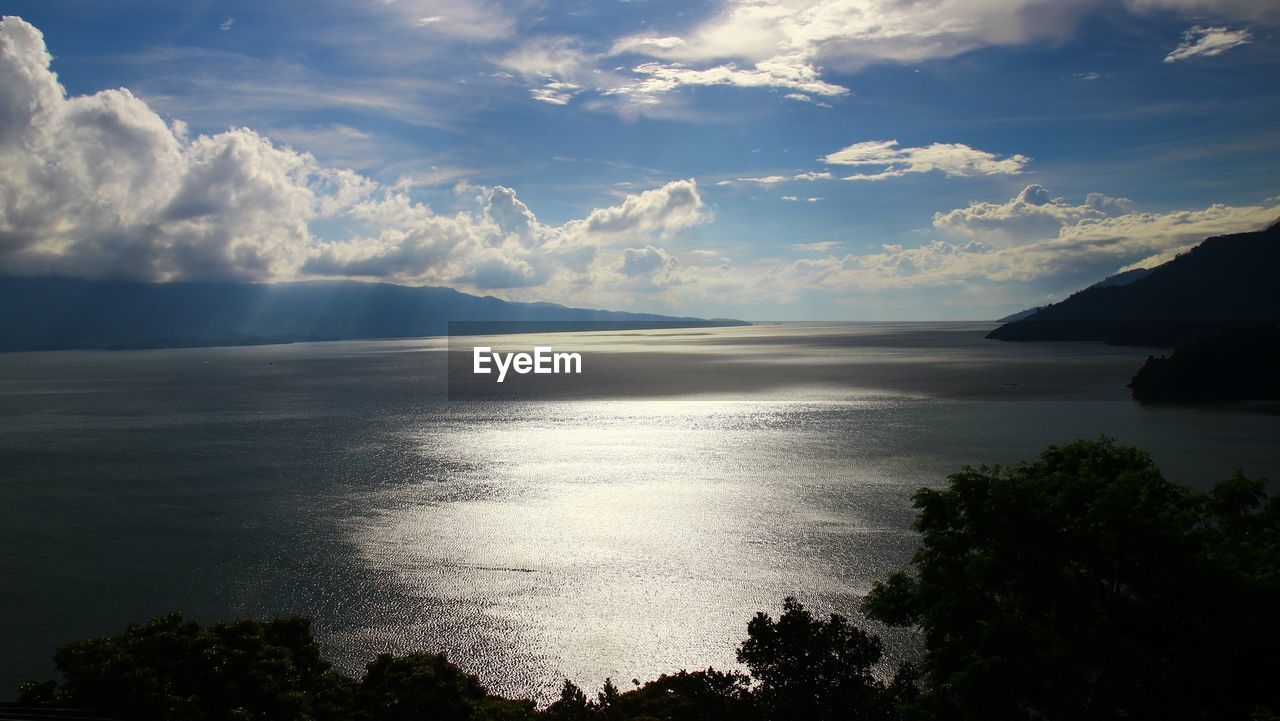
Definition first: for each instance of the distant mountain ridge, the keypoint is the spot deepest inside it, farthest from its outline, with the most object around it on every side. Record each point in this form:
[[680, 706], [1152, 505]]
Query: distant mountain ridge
[[65, 313], [1225, 282], [1122, 278]]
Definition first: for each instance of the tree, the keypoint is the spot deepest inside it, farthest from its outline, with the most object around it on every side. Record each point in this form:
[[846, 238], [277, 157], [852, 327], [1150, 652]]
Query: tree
[[419, 686], [708, 695], [572, 705], [174, 669], [814, 669], [1085, 585]]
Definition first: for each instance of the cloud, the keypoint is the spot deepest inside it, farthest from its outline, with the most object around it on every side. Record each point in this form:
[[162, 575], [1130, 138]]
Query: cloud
[[226, 24], [1061, 240], [951, 159], [646, 261], [101, 186], [824, 246], [493, 270], [640, 44], [853, 33], [557, 69], [555, 93], [802, 98], [649, 270], [1207, 42], [776, 179], [787, 72], [547, 57], [1032, 213], [794, 45], [666, 210], [505, 246], [785, 43], [472, 21]]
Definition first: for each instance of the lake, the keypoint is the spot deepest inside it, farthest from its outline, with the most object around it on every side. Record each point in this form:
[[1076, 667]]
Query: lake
[[621, 529]]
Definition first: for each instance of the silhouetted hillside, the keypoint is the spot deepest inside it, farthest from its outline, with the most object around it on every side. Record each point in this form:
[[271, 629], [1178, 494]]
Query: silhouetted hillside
[[1227, 281], [1238, 365], [1020, 315], [1124, 278], [62, 313]]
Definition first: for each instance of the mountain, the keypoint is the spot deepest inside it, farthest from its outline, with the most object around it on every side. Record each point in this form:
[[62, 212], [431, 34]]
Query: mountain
[[1124, 278], [1020, 315], [1227, 281], [64, 313]]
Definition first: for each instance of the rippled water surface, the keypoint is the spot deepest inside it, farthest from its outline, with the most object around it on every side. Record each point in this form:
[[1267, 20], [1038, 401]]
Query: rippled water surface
[[626, 534]]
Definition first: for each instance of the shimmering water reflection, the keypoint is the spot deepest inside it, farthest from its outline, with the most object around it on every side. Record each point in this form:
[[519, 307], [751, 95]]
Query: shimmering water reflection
[[633, 538]]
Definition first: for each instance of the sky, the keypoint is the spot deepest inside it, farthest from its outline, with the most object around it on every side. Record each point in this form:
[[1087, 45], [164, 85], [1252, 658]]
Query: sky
[[758, 159]]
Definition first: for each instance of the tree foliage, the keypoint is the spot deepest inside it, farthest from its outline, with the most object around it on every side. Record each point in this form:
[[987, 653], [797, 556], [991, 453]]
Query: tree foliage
[[1085, 585], [172, 668], [813, 668]]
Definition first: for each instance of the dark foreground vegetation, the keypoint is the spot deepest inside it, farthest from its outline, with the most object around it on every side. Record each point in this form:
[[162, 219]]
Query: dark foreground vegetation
[[1083, 585], [1238, 365]]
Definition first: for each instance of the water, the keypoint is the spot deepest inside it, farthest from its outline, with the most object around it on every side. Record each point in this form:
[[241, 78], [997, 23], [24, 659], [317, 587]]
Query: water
[[627, 534]]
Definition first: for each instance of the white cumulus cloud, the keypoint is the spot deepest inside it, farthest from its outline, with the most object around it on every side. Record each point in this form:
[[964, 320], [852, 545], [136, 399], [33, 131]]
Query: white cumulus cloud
[[1033, 213], [101, 186]]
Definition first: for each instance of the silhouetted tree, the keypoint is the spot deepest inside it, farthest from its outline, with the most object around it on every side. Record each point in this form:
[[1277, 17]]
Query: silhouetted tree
[[172, 669], [708, 695], [1086, 586], [572, 705], [814, 669], [416, 686]]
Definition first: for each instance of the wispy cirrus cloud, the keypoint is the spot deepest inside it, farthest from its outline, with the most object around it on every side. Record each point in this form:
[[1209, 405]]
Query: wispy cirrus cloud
[[808, 176], [786, 44], [1207, 42]]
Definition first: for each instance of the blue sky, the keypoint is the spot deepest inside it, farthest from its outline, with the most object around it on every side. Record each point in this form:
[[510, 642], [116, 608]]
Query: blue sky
[[766, 159]]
